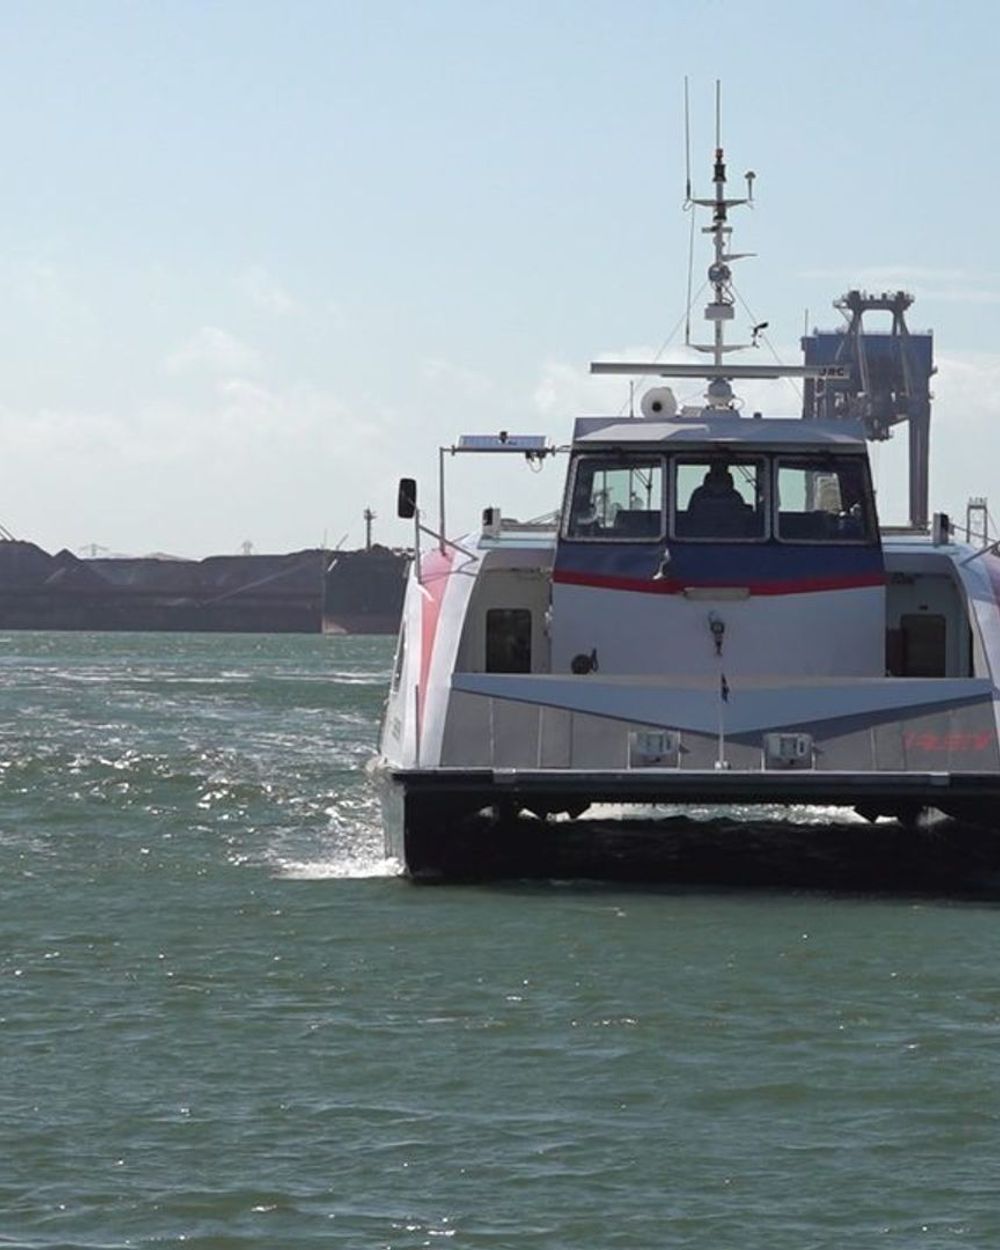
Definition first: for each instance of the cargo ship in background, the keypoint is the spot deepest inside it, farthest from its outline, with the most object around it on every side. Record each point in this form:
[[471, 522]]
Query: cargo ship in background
[[312, 591]]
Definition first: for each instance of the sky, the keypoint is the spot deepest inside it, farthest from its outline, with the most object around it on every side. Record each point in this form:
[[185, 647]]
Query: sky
[[260, 259]]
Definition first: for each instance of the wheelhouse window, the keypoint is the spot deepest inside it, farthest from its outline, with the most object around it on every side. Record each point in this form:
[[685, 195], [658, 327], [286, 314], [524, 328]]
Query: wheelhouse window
[[719, 497], [824, 500], [617, 498]]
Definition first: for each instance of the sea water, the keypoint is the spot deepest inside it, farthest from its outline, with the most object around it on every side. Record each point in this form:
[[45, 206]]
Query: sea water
[[226, 1020]]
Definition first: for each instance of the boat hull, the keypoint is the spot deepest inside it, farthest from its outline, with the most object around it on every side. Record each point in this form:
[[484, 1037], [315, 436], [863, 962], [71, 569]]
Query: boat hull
[[463, 824]]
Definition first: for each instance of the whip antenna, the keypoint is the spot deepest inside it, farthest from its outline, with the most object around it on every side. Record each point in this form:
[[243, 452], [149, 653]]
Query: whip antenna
[[688, 204], [718, 112], [687, 315], [687, 145]]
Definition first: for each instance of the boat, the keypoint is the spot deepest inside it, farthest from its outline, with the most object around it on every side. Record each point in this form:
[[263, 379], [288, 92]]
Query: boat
[[713, 617]]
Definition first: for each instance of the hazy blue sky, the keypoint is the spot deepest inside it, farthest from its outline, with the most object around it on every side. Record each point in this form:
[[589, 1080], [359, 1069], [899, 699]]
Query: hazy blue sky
[[258, 259]]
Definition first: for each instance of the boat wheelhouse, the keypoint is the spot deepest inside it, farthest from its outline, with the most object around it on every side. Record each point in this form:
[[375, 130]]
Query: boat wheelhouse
[[772, 522]]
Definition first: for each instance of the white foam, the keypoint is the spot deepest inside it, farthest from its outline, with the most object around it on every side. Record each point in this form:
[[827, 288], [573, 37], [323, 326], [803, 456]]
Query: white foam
[[794, 813], [347, 868]]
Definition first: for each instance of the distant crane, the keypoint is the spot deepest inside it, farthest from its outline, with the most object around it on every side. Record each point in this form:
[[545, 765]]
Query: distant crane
[[887, 381]]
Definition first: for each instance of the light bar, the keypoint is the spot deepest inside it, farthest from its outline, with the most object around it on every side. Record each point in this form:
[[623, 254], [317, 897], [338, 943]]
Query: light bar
[[501, 442]]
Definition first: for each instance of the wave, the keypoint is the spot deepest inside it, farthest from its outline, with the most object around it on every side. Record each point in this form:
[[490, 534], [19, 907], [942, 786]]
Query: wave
[[348, 868]]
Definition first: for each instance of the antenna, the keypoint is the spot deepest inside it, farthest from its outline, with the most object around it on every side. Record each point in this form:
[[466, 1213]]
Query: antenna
[[687, 145], [721, 307], [688, 204], [687, 315], [718, 112]]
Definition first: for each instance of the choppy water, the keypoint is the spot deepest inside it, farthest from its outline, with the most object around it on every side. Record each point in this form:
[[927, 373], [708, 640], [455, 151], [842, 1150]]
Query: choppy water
[[226, 1022]]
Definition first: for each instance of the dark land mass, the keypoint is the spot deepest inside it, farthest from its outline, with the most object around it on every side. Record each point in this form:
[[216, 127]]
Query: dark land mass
[[305, 592]]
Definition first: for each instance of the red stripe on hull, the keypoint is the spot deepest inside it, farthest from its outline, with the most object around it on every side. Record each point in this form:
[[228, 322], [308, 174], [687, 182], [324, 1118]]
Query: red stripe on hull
[[435, 569], [669, 586]]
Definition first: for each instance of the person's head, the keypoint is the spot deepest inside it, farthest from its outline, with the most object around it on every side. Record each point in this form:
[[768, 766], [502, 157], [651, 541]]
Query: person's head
[[718, 480]]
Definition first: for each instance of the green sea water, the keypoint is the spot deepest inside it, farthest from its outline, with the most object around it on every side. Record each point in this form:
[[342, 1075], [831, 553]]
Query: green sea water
[[225, 1020]]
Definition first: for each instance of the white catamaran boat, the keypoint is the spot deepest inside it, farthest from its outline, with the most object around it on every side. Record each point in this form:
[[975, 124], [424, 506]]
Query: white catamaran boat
[[714, 617]]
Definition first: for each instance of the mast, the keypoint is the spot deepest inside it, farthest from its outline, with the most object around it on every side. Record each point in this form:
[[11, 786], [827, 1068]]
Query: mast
[[719, 274], [369, 517], [721, 310]]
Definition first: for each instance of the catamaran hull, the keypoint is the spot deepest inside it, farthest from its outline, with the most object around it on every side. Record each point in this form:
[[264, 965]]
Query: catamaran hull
[[458, 824]]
